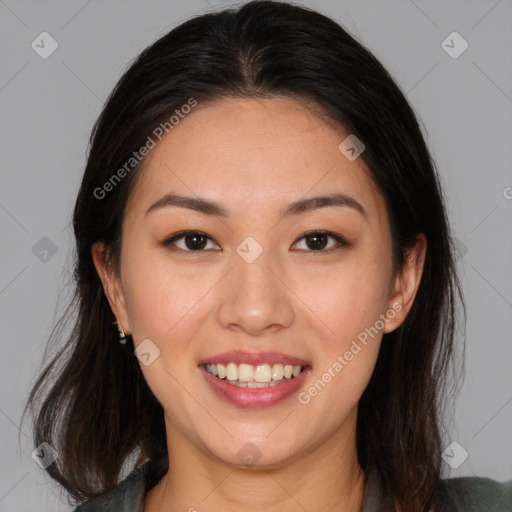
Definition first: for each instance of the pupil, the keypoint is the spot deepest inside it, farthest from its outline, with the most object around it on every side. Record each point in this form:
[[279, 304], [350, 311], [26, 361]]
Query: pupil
[[194, 245], [317, 245], [319, 241]]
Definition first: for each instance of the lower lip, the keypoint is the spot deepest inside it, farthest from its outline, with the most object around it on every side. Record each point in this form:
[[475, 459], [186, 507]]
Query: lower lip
[[255, 397]]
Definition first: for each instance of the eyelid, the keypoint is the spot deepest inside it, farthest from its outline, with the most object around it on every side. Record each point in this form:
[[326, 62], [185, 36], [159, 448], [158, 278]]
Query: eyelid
[[176, 236], [181, 234], [339, 239]]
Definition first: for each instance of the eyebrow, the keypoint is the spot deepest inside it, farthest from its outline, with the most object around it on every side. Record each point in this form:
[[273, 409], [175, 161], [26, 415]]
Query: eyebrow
[[209, 207]]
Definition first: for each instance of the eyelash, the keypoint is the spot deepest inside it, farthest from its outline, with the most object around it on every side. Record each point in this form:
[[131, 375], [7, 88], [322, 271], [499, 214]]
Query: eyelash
[[177, 236]]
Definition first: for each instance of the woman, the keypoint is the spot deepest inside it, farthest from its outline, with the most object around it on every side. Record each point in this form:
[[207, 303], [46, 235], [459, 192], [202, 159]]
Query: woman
[[261, 223]]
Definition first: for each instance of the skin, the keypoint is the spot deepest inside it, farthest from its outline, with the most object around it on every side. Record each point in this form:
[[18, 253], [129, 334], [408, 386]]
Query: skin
[[254, 156]]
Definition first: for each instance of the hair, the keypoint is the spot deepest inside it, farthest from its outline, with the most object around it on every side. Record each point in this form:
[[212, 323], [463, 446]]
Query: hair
[[99, 410]]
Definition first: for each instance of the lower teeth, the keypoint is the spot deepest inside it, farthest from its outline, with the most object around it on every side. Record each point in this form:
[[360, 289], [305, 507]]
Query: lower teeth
[[256, 384]]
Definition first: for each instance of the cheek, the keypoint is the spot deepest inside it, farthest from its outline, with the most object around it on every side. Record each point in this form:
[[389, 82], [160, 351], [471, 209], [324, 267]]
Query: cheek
[[348, 298], [160, 302], [159, 296]]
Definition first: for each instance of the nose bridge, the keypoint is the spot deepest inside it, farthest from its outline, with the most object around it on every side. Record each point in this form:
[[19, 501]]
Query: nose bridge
[[254, 298]]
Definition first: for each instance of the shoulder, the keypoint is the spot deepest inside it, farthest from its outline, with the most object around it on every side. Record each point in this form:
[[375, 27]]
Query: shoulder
[[126, 495], [473, 494], [129, 494]]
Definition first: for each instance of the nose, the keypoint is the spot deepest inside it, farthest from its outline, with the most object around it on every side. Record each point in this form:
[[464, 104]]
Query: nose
[[255, 298]]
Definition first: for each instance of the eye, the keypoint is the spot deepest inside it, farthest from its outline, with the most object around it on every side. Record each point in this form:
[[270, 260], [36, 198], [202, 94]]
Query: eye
[[194, 241], [317, 241]]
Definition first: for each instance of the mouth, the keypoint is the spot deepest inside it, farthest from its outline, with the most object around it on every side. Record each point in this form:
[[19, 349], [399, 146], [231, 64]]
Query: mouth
[[245, 375], [250, 380]]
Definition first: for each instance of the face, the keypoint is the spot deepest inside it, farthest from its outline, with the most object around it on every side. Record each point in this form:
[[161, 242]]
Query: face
[[313, 283]]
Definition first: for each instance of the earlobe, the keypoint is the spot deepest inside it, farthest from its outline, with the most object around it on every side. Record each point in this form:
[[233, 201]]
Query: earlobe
[[111, 285], [406, 283]]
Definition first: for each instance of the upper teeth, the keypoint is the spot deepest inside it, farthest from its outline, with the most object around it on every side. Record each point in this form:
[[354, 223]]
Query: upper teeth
[[249, 373]]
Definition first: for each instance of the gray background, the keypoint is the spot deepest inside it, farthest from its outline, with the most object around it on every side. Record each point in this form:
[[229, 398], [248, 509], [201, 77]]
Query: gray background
[[48, 107]]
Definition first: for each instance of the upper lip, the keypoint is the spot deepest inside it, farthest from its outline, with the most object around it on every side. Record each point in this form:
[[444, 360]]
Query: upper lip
[[241, 356]]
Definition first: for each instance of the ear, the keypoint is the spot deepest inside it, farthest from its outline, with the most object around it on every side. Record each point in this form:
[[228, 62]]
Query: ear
[[406, 283], [111, 285]]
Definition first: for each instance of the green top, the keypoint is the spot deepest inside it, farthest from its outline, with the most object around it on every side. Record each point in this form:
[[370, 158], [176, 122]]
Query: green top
[[463, 494]]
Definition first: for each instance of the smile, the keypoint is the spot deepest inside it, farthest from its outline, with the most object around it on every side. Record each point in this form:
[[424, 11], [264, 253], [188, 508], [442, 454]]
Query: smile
[[254, 376]]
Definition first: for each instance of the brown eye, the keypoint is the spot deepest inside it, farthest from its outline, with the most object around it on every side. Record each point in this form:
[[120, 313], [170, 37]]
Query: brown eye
[[193, 241], [196, 241], [316, 241]]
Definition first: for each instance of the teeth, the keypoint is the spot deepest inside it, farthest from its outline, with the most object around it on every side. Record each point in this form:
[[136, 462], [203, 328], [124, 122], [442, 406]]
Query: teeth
[[263, 373], [231, 371], [277, 372], [254, 384], [247, 375]]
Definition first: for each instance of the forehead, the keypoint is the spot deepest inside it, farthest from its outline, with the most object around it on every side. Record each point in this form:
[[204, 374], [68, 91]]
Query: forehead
[[253, 151]]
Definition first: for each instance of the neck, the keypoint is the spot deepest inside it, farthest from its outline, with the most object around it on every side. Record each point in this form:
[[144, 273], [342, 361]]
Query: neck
[[323, 477]]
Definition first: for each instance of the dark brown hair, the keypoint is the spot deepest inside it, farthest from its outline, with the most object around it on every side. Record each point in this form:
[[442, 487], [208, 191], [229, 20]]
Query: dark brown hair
[[98, 411]]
